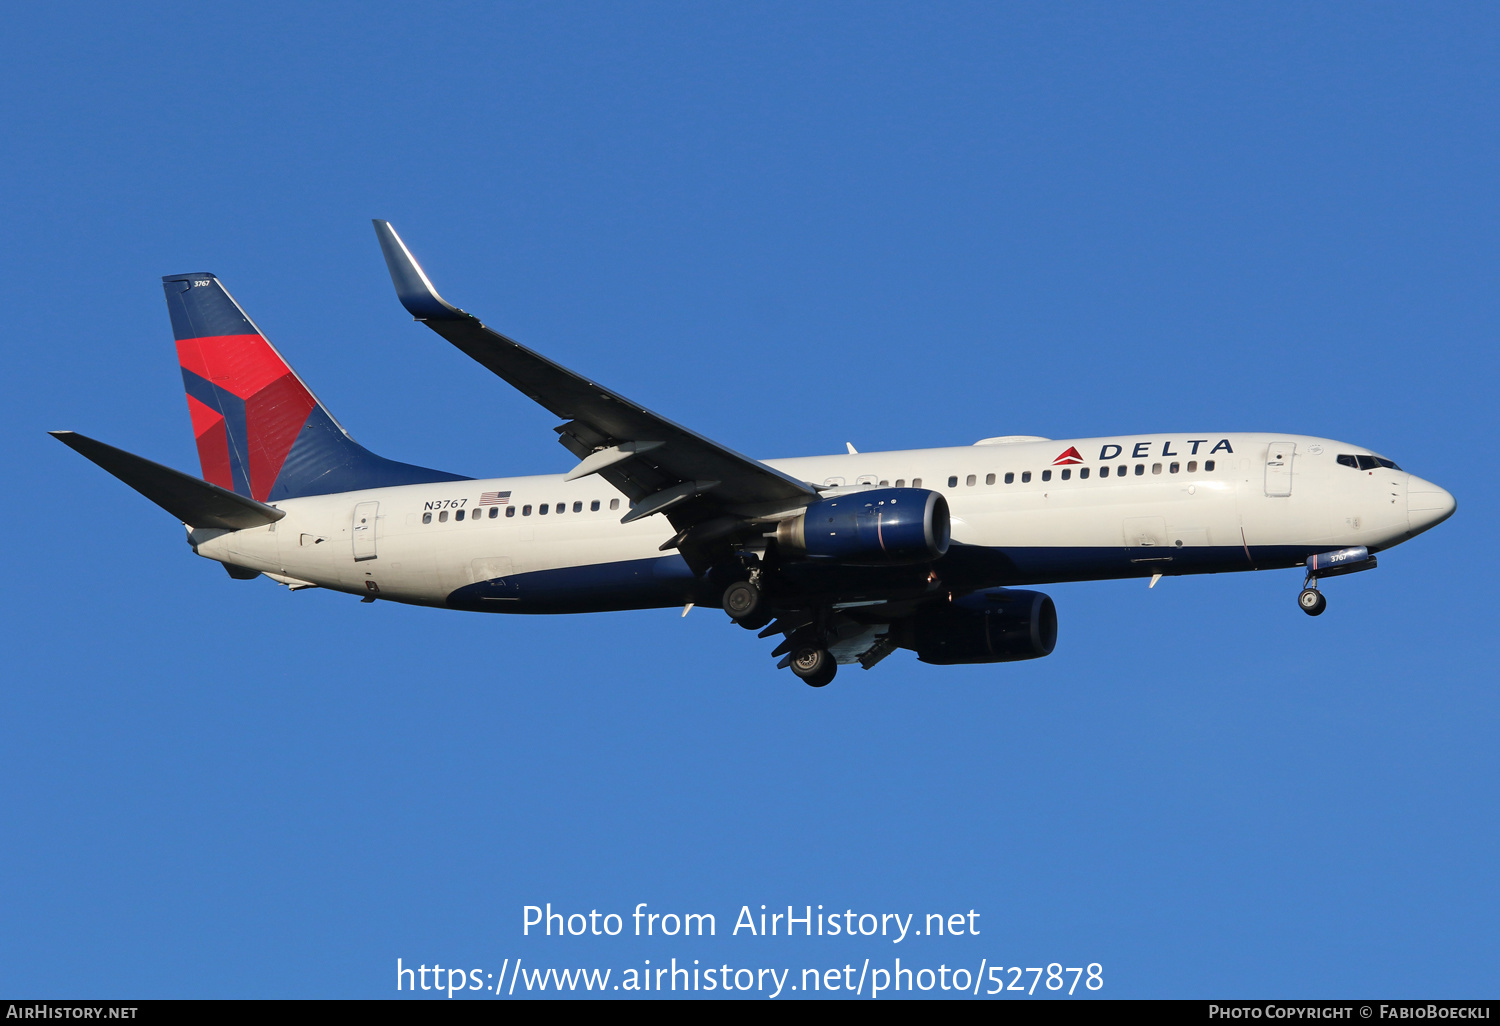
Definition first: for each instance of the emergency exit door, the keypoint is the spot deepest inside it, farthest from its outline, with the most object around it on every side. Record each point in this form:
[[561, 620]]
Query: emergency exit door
[[365, 515], [1279, 468]]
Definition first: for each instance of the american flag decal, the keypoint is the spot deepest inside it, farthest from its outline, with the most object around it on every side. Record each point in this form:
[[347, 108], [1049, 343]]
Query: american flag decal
[[495, 499]]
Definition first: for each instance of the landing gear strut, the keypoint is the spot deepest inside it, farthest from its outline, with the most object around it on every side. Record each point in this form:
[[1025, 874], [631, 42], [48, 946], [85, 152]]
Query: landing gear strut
[[814, 664], [1311, 600]]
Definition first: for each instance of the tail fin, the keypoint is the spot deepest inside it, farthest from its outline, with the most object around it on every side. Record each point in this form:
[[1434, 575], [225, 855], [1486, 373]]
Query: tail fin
[[261, 432]]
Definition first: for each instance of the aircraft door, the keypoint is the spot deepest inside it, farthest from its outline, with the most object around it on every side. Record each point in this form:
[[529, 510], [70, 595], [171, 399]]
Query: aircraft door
[[1279, 468], [363, 533]]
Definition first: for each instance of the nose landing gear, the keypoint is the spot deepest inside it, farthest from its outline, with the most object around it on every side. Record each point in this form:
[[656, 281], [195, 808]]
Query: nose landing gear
[[1311, 600], [1337, 563]]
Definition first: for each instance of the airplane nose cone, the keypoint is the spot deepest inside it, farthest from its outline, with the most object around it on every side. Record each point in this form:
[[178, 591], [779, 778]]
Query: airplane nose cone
[[1427, 505]]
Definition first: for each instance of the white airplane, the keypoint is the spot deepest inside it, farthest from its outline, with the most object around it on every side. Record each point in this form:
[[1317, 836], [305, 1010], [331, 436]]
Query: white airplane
[[846, 557]]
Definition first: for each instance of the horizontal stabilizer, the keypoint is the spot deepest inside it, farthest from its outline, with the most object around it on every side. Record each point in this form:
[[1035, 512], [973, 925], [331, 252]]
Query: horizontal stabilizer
[[193, 501]]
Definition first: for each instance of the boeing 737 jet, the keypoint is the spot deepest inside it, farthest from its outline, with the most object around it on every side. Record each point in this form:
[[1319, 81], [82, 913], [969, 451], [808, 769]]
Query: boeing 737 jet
[[845, 558]]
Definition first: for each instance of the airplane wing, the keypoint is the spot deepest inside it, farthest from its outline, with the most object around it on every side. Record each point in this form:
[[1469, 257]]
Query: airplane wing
[[706, 489]]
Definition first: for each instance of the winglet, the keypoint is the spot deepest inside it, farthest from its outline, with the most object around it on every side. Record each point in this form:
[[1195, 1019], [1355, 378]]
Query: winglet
[[412, 285]]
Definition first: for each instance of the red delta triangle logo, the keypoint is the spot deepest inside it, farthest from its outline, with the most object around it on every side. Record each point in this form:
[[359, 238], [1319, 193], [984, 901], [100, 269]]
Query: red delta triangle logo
[[1071, 456]]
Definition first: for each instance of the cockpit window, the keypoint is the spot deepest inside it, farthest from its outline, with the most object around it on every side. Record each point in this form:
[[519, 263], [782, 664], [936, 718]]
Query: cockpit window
[[1367, 462]]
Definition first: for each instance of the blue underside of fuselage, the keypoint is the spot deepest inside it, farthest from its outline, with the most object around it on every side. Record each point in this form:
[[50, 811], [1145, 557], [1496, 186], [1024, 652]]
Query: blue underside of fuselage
[[666, 581]]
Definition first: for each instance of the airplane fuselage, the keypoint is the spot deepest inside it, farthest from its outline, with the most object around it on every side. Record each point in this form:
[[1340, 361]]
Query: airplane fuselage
[[1024, 512]]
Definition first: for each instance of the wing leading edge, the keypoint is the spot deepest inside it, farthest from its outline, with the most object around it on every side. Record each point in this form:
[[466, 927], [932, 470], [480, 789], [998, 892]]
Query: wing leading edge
[[706, 490]]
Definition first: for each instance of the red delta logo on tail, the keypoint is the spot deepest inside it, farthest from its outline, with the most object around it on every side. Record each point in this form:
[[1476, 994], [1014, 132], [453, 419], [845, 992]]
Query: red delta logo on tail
[[251, 384], [1071, 456]]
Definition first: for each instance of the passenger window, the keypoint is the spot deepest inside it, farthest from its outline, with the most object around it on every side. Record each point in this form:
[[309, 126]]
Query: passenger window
[[1083, 473], [1140, 469], [1046, 475], [525, 511], [1174, 468], [1209, 465], [1025, 477], [1010, 477], [900, 482], [594, 506], [494, 512], [459, 515], [510, 511], [578, 507], [916, 482], [1067, 474], [969, 481], [541, 510], [1192, 466], [989, 479], [953, 481], [1103, 471], [426, 518], [1345, 460], [1156, 468], [614, 503], [443, 517], [1121, 470]]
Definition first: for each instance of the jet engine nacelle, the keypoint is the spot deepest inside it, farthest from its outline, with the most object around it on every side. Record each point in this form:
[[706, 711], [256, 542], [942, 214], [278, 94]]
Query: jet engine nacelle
[[879, 526], [997, 626]]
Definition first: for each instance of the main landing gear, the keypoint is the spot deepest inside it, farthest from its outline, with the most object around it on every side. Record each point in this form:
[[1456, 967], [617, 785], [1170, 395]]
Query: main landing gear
[[806, 648], [746, 605], [814, 664]]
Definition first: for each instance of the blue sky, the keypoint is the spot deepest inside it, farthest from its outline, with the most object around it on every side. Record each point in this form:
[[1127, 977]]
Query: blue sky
[[786, 226]]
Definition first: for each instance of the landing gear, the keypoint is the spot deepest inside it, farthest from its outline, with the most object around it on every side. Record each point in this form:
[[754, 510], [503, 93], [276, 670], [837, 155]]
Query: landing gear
[[814, 664], [744, 603], [1353, 560], [1312, 601]]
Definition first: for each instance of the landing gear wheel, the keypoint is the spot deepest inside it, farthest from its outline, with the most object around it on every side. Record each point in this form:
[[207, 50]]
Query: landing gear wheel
[[742, 601], [816, 666], [1312, 601]]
